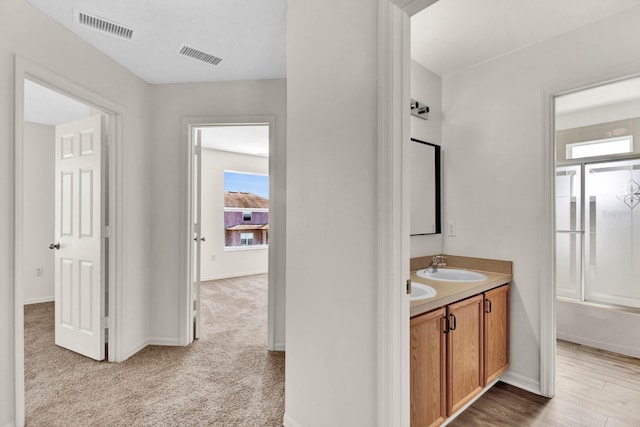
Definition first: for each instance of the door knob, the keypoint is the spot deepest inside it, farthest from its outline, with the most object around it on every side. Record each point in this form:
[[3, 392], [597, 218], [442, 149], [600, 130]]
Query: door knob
[[202, 239], [54, 246]]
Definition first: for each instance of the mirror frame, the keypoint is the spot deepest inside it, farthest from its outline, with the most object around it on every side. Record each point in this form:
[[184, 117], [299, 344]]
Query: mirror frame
[[438, 188]]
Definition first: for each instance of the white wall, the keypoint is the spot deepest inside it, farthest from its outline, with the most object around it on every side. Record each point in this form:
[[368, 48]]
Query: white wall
[[39, 213], [30, 34], [169, 103], [601, 114], [226, 263], [331, 222], [495, 165], [426, 87]]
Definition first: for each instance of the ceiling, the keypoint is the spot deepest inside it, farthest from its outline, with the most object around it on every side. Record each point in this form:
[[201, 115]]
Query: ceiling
[[601, 104], [47, 107], [452, 35], [613, 93], [249, 36], [243, 139]]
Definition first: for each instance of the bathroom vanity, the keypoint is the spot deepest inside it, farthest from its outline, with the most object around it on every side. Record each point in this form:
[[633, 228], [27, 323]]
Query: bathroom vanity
[[459, 338]]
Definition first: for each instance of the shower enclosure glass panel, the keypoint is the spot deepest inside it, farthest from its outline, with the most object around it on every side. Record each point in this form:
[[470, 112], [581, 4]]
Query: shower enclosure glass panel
[[569, 232], [612, 233]]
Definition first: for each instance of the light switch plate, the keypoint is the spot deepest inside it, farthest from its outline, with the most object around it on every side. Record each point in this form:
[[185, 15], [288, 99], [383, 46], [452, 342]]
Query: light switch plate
[[451, 229]]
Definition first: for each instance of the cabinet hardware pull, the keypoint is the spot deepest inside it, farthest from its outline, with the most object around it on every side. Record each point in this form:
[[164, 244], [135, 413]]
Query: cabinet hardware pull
[[489, 306], [446, 325], [454, 326]]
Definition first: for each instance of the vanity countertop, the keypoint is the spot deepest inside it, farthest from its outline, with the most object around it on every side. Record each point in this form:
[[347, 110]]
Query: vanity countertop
[[449, 292]]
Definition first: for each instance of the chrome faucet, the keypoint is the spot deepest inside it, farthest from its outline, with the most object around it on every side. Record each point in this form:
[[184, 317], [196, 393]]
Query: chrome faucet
[[437, 261]]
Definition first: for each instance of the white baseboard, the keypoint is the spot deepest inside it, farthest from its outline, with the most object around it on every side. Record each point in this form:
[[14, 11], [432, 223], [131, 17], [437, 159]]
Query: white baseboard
[[279, 346], [522, 382], [136, 348], [38, 300], [11, 424], [229, 276], [170, 342], [622, 349], [289, 422], [152, 341]]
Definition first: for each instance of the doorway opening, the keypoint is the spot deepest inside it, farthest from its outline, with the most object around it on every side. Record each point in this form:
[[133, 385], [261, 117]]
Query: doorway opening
[[65, 213], [229, 203], [64, 252], [597, 216]]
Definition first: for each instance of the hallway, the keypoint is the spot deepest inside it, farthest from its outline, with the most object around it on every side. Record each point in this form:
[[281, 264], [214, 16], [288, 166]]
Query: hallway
[[226, 378]]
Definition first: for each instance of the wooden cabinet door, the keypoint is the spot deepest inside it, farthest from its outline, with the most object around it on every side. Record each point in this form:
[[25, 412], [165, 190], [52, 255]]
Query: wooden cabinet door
[[428, 369], [464, 352], [496, 332]]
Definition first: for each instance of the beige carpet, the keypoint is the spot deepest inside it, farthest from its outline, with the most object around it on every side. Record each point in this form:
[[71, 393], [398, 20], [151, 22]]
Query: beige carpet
[[226, 378]]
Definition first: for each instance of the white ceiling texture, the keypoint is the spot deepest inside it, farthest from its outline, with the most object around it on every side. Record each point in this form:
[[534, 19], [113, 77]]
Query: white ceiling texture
[[48, 107], [248, 35], [452, 35], [243, 139]]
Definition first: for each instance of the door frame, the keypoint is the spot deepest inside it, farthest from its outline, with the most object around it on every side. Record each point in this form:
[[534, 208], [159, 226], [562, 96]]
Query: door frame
[[394, 133], [25, 69], [186, 219], [548, 246]]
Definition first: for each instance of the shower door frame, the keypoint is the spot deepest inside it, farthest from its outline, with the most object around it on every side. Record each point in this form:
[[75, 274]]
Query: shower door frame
[[588, 161], [566, 163]]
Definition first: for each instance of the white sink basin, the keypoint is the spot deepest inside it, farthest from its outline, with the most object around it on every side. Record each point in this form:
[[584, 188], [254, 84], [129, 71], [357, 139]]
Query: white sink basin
[[452, 275], [420, 291]]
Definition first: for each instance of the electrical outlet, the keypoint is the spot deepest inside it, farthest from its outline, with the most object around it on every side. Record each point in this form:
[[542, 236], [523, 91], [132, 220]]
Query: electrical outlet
[[213, 257], [451, 229], [39, 271]]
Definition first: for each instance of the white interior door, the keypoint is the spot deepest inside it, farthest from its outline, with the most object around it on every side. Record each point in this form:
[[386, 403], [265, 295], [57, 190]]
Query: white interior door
[[79, 283], [197, 230]]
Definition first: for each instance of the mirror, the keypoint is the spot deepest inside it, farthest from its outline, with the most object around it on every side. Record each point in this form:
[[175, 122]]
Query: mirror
[[424, 172]]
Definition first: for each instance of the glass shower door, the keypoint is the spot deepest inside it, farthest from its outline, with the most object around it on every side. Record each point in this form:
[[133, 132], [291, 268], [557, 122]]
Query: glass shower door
[[612, 226], [569, 232]]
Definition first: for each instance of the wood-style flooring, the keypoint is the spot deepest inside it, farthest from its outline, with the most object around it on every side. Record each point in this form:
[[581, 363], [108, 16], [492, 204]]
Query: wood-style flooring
[[594, 388]]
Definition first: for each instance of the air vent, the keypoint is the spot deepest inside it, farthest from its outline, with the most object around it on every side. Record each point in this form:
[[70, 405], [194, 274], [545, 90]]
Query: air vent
[[104, 25], [199, 55]]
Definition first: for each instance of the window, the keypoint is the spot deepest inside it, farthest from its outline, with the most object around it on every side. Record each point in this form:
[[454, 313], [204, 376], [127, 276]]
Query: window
[[246, 239], [601, 147], [246, 210]]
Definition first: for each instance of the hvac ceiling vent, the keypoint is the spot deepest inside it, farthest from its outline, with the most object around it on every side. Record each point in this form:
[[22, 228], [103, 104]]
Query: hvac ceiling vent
[[105, 25], [199, 55]]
